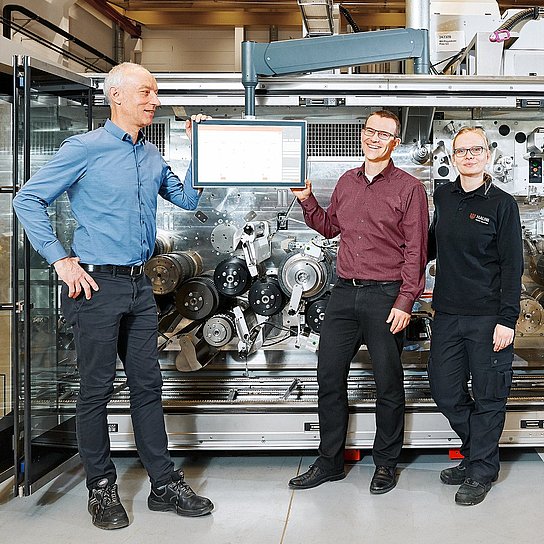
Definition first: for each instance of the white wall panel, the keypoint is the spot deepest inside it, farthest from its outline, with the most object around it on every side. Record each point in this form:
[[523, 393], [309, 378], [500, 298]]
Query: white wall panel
[[189, 50]]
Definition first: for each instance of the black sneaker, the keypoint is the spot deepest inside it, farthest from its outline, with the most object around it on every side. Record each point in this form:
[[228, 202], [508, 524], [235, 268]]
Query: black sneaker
[[178, 497], [106, 508], [472, 492], [454, 475]]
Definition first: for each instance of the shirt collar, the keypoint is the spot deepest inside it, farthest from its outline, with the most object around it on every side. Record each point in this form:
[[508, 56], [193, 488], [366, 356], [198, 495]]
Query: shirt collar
[[482, 190], [385, 173], [118, 132]]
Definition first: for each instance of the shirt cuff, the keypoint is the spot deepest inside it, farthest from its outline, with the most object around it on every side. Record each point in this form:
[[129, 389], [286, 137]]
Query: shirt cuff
[[511, 324], [404, 303], [54, 252], [309, 203]]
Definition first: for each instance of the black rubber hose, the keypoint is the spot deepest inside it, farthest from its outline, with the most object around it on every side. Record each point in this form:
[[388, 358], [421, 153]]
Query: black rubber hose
[[526, 14], [349, 19]]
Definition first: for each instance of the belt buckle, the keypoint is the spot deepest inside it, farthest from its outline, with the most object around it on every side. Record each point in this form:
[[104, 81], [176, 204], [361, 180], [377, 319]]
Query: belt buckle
[[354, 281], [136, 270]]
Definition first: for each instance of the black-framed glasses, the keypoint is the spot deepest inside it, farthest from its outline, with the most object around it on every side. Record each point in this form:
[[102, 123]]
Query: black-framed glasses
[[382, 134], [475, 151]]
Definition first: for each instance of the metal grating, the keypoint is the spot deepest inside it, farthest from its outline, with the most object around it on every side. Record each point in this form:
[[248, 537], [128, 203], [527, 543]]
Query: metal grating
[[46, 137], [156, 134], [335, 139]]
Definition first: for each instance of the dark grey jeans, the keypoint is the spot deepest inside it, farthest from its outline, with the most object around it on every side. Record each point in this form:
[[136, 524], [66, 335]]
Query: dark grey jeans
[[462, 348], [119, 319], [355, 316]]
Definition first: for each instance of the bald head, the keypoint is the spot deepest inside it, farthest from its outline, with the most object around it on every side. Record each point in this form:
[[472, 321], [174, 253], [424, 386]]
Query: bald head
[[118, 76]]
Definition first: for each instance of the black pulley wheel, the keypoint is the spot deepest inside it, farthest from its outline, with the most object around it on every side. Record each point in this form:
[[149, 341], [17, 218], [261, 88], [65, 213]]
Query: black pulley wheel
[[315, 313], [232, 277], [266, 297], [197, 298]]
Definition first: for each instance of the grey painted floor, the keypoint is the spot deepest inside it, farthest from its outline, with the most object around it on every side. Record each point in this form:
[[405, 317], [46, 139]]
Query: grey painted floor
[[255, 506]]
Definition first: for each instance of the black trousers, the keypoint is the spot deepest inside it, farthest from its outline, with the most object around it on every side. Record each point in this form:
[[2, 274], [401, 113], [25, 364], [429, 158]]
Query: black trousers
[[355, 316], [119, 319], [461, 348]]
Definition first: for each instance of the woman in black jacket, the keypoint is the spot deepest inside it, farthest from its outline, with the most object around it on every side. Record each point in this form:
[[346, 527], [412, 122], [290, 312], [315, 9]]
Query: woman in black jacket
[[475, 236]]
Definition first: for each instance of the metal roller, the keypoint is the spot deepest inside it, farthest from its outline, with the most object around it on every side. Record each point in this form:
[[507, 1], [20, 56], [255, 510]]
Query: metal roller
[[539, 270], [197, 298], [223, 238], [219, 330], [164, 243], [311, 274], [232, 277], [315, 313], [171, 269], [266, 297], [538, 294], [531, 316]]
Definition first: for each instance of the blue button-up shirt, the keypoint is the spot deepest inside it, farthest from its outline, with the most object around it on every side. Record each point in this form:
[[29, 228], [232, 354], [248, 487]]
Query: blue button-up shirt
[[112, 184]]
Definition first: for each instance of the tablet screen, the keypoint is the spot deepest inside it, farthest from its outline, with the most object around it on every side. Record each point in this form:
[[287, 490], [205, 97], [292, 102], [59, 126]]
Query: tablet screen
[[258, 153]]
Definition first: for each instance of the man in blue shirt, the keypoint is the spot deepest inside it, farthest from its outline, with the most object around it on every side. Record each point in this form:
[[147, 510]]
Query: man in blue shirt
[[113, 176]]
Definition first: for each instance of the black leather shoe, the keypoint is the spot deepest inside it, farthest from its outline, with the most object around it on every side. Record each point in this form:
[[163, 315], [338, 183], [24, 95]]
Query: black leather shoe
[[472, 492], [313, 477], [454, 475], [384, 480], [178, 497], [106, 508]]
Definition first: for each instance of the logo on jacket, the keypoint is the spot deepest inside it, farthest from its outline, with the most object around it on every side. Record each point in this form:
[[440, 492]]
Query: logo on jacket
[[479, 218]]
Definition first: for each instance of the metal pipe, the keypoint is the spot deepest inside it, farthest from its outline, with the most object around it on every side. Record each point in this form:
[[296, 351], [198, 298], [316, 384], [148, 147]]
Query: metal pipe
[[418, 15], [249, 78]]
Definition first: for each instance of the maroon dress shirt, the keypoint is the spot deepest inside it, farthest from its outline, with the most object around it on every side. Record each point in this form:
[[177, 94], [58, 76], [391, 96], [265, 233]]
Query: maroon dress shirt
[[383, 228]]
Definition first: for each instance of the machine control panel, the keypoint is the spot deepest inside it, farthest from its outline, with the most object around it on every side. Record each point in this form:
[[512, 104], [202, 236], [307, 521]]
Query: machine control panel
[[535, 170]]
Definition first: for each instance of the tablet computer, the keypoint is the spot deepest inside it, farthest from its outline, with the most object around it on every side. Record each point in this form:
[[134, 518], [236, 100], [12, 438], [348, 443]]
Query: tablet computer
[[249, 152]]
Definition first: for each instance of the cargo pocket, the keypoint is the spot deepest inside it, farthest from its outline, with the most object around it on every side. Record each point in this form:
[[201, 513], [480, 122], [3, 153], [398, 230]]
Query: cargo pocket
[[501, 373]]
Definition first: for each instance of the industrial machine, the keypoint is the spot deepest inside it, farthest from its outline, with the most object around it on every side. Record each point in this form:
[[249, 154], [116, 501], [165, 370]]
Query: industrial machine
[[242, 284]]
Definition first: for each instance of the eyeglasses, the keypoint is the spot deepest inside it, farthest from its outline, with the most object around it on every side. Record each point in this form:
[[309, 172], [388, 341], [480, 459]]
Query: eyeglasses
[[382, 134], [474, 151]]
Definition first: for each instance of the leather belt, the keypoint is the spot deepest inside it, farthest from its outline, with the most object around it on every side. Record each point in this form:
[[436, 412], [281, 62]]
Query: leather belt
[[114, 269], [366, 283]]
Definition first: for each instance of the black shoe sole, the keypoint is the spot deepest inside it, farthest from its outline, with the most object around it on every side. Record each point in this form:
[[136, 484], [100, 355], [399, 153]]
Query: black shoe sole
[[332, 478], [112, 525], [161, 507]]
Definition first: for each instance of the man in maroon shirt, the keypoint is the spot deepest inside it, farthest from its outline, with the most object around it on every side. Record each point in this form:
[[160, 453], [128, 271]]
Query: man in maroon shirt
[[381, 214]]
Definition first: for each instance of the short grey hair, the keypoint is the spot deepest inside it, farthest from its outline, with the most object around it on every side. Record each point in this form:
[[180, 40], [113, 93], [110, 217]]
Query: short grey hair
[[116, 77]]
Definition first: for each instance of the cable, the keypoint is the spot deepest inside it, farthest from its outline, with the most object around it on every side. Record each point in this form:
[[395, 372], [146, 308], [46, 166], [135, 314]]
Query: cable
[[277, 341], [349, 18]]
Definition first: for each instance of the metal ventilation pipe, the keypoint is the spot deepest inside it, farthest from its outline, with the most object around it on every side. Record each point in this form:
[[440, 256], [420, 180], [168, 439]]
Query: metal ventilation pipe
[[418, 17]]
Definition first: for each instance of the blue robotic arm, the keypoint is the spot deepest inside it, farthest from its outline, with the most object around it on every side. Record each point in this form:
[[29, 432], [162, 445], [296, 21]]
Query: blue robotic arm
[[326, 52]]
